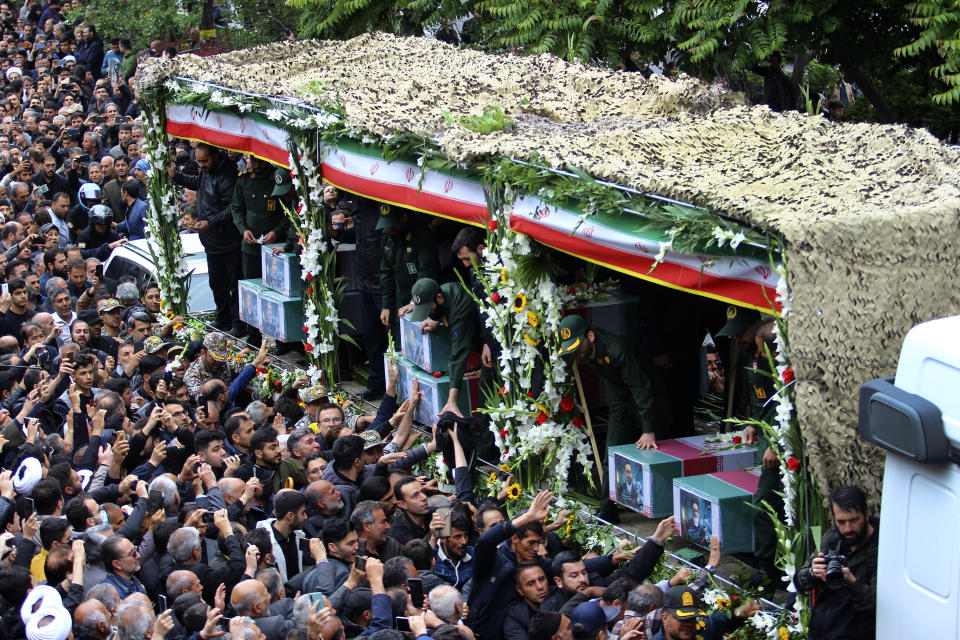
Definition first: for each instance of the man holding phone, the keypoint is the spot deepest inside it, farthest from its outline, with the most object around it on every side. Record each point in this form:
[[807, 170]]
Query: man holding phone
[[370, 523]]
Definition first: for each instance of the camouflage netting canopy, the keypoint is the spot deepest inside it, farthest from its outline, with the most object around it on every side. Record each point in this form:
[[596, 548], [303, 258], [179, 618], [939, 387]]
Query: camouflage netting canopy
[[868, 213]]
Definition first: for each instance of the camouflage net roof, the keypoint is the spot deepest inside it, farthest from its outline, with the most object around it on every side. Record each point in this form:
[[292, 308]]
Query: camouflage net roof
[[869, 213]]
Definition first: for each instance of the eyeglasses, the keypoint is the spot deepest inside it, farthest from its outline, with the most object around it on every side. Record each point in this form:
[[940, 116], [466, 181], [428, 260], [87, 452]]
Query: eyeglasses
[[133, 553]]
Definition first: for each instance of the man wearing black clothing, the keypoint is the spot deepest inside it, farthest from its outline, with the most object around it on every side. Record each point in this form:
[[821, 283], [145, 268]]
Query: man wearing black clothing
[[845, 606], [532, 587], [48, 177], [220, 238], [412, 518], [185, 546], [13, 306]]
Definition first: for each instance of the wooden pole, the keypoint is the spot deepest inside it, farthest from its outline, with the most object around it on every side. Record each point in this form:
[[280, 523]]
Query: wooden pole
[[586, 415]]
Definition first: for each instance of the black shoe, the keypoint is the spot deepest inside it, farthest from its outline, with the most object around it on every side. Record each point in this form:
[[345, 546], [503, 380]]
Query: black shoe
[[371, 394], [282, 348], [608, 513], [222, 326], [238, 331]]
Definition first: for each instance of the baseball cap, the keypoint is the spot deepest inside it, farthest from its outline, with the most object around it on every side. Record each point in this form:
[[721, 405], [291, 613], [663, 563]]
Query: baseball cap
[[153, 344], [590, 617], [738, 321], [572, 330], [89, 316], [423, 292], [371, 439], [216, 345], [282, 182], [388, 217], [681, 602], [316, 393], [110, 304]]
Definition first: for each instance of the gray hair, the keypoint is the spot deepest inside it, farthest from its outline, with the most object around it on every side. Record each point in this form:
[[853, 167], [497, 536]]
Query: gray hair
[[645, 599], [53, 285], [127, 292], [95, 138], [180, 580], [293, 440], [105, 593], [257, 411], [183, 543], [169, 489], [16, 184], [444, 601], [272, 580], [301, 611], [363, 514], [88, 626], [133, 621]]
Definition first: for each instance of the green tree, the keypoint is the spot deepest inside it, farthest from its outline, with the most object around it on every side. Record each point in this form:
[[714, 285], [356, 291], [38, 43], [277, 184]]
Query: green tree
[[940, 24]]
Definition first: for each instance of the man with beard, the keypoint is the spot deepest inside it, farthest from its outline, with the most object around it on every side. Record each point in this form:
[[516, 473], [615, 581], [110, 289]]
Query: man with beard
[[82, 334], [449, 308], [111, 192], [264, 461], [285, 531], [371, 525], [77, 277], [408, 255], [454, 558], [59, 212], [55, 263], [48, 177], [845, 605], [323, 503]]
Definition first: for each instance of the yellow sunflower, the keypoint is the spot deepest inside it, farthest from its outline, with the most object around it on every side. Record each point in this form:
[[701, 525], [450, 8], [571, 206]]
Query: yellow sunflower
[[513, 492], [530, 341], [169, 315], [492, 478], [532, 318], [784, 634], [503, 276], [504, 468], [519, 303], [722, 603]]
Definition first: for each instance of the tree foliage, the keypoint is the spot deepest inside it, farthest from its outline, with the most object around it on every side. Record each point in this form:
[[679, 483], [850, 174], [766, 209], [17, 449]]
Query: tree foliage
[[940, 24]]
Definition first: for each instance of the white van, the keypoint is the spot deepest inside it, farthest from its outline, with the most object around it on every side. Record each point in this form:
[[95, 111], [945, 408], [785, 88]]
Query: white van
[[916, 418], [133, 259]]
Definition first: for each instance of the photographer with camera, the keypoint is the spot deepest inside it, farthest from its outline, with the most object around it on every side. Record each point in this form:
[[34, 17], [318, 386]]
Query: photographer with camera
[[844, 574]]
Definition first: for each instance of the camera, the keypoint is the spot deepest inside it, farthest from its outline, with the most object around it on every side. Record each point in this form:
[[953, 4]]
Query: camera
[[836, 561]]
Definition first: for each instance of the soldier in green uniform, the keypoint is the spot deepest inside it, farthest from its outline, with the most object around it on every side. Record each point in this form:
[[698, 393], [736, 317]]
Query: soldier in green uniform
[[447, 307], [751, 332], [631, 394], [257, 213], [408, 255]]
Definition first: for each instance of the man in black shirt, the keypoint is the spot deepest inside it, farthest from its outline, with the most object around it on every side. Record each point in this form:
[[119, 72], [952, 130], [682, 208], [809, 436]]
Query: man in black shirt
[[14, 308]]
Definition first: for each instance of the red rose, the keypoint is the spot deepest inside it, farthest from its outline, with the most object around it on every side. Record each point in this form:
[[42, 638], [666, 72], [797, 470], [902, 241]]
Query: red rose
[[309, 276], [541, 418], [567, 404], [492, 225], [308, 347], [310, 290], [503, 433], [495, 298], [793, 463], [578, 421], [529, 394], [503, 390], [787, 375], [737, 439], [261, 370], [276, 383], [305, 330], [437, 374], [572, 290]]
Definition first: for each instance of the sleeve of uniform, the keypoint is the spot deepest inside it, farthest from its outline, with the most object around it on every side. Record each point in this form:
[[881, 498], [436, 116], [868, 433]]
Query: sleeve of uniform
[[388, 287], [462, 325], [238, 207], [639, 386]]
